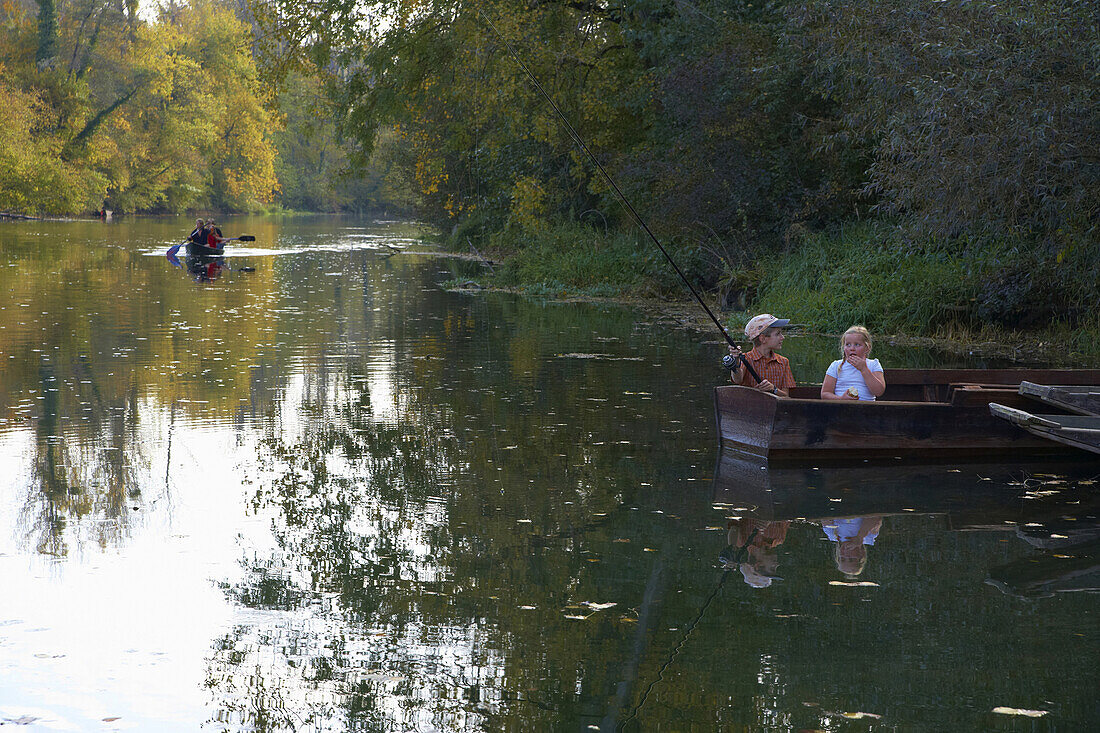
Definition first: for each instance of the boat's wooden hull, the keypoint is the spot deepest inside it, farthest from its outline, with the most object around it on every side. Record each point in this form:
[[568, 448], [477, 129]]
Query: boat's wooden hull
[[941, 414]]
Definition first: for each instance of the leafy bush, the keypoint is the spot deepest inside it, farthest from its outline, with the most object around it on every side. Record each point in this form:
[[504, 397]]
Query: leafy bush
[[876, 275], [571, 259]]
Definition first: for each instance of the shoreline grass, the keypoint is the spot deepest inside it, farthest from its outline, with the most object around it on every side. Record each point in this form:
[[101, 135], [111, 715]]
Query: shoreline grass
[[1024, 301]]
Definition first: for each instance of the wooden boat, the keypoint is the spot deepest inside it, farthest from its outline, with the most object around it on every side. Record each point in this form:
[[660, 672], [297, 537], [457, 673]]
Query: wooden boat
[[933, 414]]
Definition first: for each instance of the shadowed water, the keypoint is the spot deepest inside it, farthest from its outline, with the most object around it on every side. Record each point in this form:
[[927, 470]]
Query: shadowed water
[[306, 487]]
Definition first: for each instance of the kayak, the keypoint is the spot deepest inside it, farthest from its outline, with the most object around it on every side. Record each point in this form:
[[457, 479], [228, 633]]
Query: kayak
[[201, 250]]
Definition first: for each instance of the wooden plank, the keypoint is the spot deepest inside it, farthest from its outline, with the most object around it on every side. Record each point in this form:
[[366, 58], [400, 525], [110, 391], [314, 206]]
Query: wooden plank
[[1019, 417], [1081, 399], [1078, 431]]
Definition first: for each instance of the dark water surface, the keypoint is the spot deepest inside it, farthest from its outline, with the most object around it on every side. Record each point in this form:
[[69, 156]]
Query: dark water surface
[[328, 494]]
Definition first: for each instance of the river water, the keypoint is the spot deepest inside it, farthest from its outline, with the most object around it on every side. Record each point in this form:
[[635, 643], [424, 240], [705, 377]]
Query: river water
[[309, 487]]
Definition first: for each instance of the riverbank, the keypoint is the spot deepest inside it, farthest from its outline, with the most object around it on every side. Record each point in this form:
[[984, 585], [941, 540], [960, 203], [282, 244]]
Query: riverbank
[[999, 299]]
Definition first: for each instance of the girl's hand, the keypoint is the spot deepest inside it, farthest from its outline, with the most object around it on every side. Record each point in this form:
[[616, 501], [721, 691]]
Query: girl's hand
[[859, 362]]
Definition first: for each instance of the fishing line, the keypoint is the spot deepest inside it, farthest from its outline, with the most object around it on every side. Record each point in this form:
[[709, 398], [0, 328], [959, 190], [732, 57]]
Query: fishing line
[[622, 197], [737, 558]]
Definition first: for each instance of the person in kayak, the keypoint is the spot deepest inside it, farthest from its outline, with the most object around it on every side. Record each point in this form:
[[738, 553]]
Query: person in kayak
[[198, 234], [214, 236], [766, 333]]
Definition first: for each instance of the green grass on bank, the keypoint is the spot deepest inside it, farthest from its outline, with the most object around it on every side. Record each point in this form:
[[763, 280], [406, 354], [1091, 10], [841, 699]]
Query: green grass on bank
[[875, 274], [577, 260]]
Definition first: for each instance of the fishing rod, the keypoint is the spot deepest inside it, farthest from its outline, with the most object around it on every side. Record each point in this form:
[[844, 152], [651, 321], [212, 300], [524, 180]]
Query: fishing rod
[[622, 197]]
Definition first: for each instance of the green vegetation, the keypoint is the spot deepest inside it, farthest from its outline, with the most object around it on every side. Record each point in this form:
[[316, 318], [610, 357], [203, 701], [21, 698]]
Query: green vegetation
[[916, 166], [100, 108]]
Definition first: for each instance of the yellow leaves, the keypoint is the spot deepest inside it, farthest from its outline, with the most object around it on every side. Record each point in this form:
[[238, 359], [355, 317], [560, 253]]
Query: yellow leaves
[[529, 201]]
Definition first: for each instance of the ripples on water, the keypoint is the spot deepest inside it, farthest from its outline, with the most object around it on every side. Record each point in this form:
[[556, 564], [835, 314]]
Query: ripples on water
[[310, 488]]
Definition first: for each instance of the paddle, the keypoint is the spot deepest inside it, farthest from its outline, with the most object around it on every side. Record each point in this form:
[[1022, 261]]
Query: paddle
[[175, 248], [242, 238]]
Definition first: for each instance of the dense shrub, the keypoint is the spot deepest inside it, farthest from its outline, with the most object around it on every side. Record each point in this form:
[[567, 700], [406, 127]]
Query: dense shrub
[[877, 274]]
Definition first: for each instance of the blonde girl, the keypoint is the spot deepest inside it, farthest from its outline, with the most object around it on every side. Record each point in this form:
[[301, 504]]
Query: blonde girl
[[854, 376]]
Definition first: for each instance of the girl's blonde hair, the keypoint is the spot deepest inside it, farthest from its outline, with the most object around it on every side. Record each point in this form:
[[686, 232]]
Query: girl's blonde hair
[[863, 332]]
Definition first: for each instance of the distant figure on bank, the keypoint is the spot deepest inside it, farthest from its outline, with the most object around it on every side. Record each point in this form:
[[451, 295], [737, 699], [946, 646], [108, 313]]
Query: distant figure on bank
[[854, 376], [766, 333], [852, 535]]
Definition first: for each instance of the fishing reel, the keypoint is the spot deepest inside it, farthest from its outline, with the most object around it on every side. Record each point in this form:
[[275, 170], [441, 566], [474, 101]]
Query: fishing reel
[[729, 361]]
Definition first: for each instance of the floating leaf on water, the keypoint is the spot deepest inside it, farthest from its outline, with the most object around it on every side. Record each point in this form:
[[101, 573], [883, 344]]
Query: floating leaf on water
[[1020, 711], [526, 608], [648, 549], [628, 620], [953, 470], [593, 559], [523, 521], [861, 716], [854, 584], [598, 606], [712, 529], [1059, 537], [622, 539], [111, 720], [576, 618]]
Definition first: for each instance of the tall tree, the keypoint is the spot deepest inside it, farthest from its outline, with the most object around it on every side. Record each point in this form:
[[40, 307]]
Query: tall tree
[[47, 33]]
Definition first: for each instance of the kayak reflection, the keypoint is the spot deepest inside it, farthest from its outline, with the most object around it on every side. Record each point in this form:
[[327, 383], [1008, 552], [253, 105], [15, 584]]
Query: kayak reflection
[[201, 269]]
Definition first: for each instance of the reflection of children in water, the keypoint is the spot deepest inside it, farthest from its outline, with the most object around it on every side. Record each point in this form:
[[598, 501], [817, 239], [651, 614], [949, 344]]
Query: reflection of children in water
[[752, 549], [852, 535]]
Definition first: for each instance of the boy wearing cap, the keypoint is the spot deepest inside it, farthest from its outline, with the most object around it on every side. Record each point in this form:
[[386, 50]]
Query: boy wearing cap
[[766, 333]]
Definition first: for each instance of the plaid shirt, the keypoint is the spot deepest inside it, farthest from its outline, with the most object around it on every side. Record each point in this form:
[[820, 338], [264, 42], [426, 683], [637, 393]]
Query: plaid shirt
[[775, 369]]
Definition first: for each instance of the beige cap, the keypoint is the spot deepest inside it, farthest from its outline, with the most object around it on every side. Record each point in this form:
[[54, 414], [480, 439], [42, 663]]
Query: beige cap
[[761, 323]]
